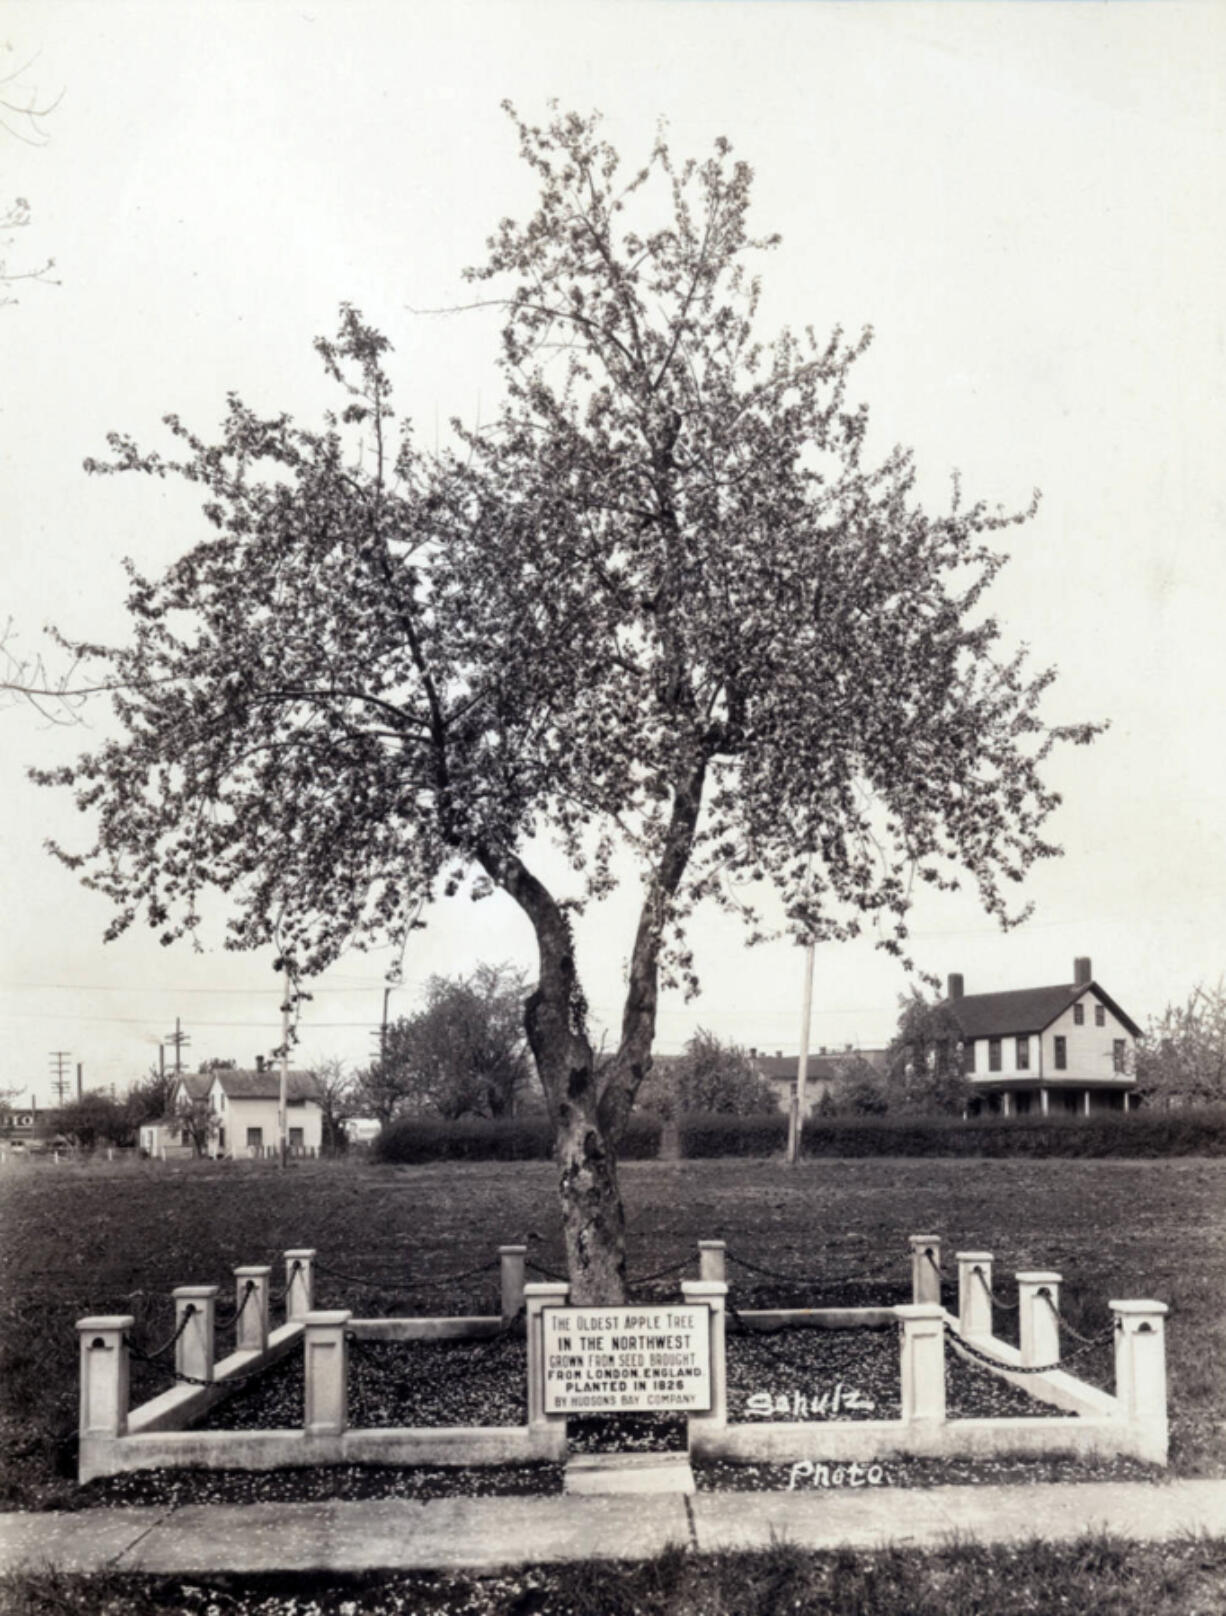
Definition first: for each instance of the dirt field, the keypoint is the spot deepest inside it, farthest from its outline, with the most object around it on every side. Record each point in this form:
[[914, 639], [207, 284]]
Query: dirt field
[[82, 1239]]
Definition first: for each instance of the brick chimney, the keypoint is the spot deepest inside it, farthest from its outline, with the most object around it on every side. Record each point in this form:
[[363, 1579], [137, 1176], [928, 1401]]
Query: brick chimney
[[259, 1063], [956, 985], [1081, 970]]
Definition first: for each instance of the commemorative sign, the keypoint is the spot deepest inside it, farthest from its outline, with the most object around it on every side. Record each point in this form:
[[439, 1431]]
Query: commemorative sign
[[627, 1359]]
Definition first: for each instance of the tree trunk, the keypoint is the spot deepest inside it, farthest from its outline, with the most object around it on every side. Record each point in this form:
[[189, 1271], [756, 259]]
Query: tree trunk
[[589, 1108]]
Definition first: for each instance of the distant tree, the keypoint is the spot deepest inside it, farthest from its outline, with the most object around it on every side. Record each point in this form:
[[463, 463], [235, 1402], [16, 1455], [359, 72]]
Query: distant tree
[[96, 1118], [925, 1062], [339, 1098], [1182, 1058], [466, 1053], [663, 602], [216, 1063], [858, 1089], [149, 1100], [712, 1075]]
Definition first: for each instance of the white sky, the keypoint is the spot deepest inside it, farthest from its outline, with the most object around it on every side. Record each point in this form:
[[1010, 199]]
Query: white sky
[[1026, 202]]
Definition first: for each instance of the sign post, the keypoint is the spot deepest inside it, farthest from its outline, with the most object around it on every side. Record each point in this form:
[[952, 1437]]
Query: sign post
[[639, 1358]]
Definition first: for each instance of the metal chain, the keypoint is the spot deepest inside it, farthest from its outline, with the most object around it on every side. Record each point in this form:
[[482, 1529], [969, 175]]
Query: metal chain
[[1086, 1340], [974, 1353], [156, 1352], [411, 1285], [279, 1296], [803, 1279], [233, 1318], [1009, 1307], [549, 1273]]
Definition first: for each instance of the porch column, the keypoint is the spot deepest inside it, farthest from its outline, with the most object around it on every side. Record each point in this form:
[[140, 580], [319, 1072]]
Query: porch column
[[925, 1267], [1044, 1101], [104, 1373], [1127, 1102], [195, 1347], [1006, 1103], [974, 1293], [712, 1260], [922, 1341], [1086, 1103], [511, 1261], [714, 1293], [1038, 1319], [327, 1373], [537, 1296], [251, 1322], [299, 1282], [1140, 1372]]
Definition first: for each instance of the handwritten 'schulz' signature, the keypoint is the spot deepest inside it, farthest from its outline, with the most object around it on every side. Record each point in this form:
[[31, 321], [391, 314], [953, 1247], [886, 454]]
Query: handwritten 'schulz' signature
[[799, 1406]]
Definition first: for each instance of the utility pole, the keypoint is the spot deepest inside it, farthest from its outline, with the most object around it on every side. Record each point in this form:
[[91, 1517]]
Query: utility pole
[[59, 1072], [283, 1092], [178, 1038], [796, 1118], [80, 1087]]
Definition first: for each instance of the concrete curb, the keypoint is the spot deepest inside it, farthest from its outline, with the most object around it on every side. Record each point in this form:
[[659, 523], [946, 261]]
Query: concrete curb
[[482, 1534]]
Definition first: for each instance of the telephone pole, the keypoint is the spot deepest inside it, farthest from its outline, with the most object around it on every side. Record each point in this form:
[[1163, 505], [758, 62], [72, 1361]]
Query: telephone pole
[[59, 1072], [796, 1119], [178, 1038]]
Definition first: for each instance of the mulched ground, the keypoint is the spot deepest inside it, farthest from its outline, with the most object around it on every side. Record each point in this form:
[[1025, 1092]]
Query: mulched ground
[[841, 1375]]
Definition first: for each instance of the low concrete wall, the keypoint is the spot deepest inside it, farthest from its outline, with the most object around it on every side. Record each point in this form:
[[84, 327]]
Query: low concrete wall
[[275, 1450], [845, 1440], [172, 1410]]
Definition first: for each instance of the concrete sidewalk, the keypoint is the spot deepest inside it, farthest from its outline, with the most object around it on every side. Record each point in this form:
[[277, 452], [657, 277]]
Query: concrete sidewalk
[[484, 1533]]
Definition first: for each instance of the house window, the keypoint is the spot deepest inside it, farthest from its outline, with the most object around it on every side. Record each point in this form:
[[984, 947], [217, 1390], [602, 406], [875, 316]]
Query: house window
[[993, 1054], [255, 1138], [1061, 1054], [1100, 1016], [1118, 1054], [1079, 1015], [296, 1140], [969, 1047], [1023, 1054]]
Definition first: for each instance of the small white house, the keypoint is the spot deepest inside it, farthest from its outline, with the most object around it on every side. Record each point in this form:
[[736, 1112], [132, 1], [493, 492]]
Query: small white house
[[242, 1109]]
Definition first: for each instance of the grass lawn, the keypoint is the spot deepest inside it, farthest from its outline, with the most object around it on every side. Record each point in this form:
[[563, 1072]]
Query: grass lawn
[[82, 1238]]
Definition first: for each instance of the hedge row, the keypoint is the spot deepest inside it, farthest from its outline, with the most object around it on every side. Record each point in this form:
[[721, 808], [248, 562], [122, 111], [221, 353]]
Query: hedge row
[[427, 1139], [1200, 1132]]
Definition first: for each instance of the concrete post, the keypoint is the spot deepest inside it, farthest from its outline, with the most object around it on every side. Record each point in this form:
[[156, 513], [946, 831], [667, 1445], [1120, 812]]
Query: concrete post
[[538, 1295], [1140, 1371], [194, 1349], [251, 1327], [327, 1373], [713, 1292], [511, 1275], [299, 1283], [925, 1267], [922, 1345], [1038, 1320], [712, 1260], [104, 1373], [974, 1293]]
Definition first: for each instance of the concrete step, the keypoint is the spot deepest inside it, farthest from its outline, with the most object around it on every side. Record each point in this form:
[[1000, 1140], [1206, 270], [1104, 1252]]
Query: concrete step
[[629, 1473]]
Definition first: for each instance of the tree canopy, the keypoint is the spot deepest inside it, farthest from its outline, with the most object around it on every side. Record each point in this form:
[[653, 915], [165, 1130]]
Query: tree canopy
[[464, 1054], [665, 603], [1182, 1058]]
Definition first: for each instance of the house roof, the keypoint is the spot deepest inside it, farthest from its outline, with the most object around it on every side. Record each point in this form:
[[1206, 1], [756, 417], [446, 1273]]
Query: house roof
[[1025, 1010], [265, 1085], [197, 1084], [782, 1068]]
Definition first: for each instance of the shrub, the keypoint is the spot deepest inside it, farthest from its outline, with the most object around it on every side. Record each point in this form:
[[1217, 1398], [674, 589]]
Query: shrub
[[1145, 1133], [427, 1139], [707, 1133], [641, 1140]]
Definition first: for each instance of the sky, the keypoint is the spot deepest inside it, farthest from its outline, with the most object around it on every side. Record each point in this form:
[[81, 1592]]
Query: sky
[[1026, 203]]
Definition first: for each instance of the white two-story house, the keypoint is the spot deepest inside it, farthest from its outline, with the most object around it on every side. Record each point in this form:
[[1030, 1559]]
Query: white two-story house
[[1063, 1050]]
